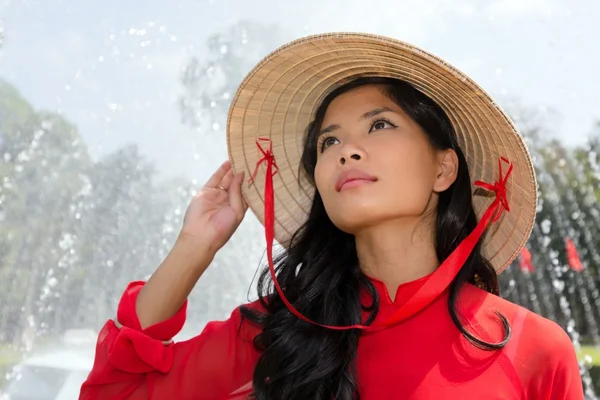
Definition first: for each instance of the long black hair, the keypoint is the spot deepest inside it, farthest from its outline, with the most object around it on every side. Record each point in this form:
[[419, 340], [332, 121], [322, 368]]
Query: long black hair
[[320, 273]]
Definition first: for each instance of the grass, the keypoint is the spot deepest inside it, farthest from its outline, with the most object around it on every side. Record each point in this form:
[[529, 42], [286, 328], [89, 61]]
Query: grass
[[591, 355], [8, 355]]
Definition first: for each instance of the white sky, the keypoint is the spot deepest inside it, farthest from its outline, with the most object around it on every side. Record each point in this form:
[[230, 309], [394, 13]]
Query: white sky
[[60, 55]]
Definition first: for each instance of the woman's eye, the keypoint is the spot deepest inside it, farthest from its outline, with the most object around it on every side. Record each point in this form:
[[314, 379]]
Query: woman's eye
[[381, 124], [328, 141]]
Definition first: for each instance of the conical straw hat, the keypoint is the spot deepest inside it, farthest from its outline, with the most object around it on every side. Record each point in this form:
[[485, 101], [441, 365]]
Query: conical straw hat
[[278, 98]]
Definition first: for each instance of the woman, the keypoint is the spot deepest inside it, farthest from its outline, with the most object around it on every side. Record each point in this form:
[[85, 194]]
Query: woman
[[387, 288]]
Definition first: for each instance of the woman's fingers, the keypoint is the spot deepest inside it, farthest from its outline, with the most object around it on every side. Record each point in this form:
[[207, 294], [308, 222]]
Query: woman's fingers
[[224, 178], [216, 178], [236, 199], [227, 179]]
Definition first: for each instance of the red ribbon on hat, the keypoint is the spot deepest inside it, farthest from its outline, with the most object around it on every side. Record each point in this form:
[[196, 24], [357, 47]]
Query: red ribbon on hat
[[499, 187], [267, 155], [438, 281]]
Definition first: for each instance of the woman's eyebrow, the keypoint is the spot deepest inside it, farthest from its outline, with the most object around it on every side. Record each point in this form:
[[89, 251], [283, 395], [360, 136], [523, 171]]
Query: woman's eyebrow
[[367, 115]]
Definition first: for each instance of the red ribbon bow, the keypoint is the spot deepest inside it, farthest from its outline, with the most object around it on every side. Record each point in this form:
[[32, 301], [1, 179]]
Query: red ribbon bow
[[146, 353], [499, 187], [267, 155], [437, 283]]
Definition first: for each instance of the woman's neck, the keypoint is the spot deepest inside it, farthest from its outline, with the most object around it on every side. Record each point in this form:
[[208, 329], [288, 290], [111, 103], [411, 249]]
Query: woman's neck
[[397, 252]]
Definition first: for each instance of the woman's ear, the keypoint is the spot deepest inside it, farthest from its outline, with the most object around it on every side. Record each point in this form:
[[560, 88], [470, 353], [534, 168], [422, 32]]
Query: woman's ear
[[447, 170]]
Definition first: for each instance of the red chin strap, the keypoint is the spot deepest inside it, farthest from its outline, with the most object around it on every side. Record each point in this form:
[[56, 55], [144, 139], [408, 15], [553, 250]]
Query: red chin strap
[[438, 281]]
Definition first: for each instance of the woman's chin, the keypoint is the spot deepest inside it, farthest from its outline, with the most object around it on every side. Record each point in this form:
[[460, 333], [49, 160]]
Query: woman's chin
[[356, 220]]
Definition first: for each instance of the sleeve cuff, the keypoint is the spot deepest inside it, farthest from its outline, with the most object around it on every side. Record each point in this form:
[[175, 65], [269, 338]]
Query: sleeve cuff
[[137, 350], [120, 326], [163, 331]]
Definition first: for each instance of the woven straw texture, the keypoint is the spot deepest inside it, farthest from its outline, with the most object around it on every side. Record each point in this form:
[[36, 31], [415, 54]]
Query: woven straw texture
[[278, 98]]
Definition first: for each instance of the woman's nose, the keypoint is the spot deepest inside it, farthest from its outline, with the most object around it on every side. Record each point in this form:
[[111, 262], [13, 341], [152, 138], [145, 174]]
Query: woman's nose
[[351, 152]]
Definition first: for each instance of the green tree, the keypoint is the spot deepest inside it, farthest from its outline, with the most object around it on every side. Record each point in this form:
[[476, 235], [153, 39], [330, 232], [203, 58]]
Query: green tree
[[121, 232], [211, 82], [567, 208], [74, 231], [40, 168]]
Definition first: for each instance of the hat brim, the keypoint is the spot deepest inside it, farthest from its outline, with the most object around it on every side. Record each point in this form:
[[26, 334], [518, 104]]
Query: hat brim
[[279, 96]]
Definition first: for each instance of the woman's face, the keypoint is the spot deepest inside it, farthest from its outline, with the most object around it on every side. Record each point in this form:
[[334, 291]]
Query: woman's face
[[375, 164]]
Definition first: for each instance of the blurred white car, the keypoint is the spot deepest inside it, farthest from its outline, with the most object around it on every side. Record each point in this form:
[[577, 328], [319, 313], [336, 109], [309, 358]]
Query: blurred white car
[[58, 374], [54, 374]]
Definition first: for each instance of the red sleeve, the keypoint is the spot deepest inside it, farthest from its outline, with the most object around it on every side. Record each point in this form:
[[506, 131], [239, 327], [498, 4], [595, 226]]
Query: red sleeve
[[546, 361], [132, 363], [565, 383]]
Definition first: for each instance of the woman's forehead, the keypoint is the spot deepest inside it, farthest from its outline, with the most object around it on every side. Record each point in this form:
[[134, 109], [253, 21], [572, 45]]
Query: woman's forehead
[[358, 102]]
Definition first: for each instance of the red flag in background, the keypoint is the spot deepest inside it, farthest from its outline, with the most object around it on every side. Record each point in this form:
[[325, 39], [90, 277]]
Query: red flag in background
[[525, 262], [572, 256]]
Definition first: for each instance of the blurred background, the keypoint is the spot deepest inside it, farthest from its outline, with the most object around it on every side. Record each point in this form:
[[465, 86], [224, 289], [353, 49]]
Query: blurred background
[[112, 113]]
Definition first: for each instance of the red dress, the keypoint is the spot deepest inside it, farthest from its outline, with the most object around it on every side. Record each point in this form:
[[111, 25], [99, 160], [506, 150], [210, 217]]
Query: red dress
[[422, 357]]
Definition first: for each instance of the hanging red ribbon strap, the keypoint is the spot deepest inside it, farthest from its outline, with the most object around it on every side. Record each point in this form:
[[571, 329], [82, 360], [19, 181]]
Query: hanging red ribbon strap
[[437, 283], [269, 218]]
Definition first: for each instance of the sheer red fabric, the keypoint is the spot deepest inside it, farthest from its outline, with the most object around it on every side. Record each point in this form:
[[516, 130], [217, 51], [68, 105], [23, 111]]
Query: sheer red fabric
[[423, 357], [416, 353], [131, 363]]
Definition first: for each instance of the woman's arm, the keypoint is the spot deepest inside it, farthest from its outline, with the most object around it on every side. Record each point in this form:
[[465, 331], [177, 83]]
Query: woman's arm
[[134, 363]]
